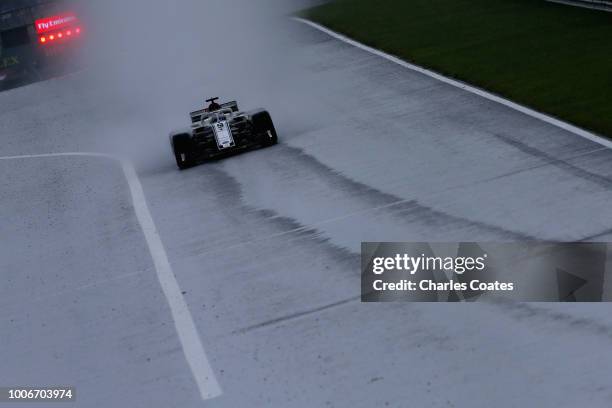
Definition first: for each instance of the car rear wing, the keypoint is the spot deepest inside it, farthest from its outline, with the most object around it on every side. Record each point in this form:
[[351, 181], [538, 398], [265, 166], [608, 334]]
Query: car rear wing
[[197, 115]]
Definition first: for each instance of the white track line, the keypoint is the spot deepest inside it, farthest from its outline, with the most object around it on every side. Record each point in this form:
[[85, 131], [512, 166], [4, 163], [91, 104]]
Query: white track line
[[183, 321], [600, 6], [462, 85]]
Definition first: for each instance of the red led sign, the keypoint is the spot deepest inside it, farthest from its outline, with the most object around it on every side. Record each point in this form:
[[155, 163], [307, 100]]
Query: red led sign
[[47, 24]]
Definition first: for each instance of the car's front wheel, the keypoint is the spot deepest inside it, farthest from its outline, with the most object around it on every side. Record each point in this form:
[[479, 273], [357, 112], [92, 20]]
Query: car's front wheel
[[182, 147], [264, 127]]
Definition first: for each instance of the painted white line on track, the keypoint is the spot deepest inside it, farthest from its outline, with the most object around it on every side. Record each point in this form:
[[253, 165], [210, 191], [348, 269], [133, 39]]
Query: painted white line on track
[[589, 4], [183, 321], [462, 85]]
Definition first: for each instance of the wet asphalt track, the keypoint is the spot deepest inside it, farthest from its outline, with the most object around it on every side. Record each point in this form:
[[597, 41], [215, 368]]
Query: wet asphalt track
[[265, 246]]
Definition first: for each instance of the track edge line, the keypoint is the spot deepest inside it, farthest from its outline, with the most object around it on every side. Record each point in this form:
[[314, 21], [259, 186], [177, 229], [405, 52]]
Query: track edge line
[[593, 137]]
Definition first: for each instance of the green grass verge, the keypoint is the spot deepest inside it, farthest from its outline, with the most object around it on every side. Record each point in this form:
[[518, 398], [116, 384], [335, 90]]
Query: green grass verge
[[554, 58]]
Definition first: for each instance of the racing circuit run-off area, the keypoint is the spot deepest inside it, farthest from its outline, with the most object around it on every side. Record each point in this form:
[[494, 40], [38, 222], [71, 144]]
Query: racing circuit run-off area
[[300, 203]]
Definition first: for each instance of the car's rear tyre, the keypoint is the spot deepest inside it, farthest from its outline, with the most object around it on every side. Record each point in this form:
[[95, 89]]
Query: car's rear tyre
[[183, 150], [264, 128]]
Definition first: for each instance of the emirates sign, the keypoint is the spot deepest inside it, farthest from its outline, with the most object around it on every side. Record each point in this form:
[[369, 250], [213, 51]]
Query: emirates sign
[[47, 24]]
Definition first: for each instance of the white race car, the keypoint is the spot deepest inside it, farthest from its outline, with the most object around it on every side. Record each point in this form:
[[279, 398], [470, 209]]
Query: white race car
[[220, 129]]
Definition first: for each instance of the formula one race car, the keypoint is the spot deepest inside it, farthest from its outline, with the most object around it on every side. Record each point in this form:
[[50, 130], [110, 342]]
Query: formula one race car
[[220, 129]]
